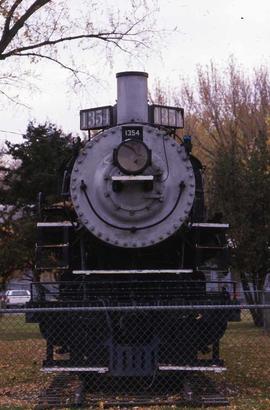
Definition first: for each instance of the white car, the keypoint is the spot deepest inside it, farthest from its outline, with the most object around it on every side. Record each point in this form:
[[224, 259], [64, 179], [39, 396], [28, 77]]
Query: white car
[[17, 297]]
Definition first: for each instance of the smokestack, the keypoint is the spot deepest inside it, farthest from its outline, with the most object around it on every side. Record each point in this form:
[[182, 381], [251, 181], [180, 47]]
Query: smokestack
[[132, 97]]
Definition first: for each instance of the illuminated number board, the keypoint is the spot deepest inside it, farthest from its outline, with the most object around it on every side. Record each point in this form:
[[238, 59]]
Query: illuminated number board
[[96, 118], [172, 117]]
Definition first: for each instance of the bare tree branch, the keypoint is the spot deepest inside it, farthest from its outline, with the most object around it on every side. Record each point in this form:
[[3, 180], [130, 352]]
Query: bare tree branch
[[11, 33], [8, 19], [13, 100], [39, 55], [114, 38], [43, 29]]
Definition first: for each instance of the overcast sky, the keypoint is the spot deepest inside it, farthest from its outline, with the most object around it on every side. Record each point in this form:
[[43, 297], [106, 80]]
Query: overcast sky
[[207, 30]]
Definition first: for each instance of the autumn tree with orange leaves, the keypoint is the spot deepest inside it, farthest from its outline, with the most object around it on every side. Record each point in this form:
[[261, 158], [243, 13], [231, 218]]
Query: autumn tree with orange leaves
[[228, 114]]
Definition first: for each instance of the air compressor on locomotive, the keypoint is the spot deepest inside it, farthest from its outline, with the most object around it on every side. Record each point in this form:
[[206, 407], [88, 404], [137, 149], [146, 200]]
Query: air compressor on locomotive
[[131, 231]]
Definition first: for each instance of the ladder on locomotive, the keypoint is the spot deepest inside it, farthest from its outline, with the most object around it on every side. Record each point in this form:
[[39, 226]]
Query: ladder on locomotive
[[52, 246], [211, 245]]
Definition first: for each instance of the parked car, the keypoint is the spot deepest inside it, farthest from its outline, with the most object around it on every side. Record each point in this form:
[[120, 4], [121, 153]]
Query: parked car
[[17, 297]]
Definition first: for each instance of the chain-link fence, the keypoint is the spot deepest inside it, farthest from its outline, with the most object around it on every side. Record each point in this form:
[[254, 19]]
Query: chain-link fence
[[110, 356]]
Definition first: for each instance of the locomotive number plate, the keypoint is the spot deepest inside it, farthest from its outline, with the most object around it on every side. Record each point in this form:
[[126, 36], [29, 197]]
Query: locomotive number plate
[[96, 118], [132, 132]]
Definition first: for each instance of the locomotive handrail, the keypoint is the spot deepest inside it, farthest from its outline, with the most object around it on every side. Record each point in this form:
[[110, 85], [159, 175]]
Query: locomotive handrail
[[132, 228]]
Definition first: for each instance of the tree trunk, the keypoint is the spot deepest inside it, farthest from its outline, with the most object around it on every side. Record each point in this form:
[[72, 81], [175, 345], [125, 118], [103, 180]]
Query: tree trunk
[[257, 316], [253, 297]]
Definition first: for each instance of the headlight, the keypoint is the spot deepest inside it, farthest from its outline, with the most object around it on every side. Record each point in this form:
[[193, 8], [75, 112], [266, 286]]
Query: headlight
[[132, 156]]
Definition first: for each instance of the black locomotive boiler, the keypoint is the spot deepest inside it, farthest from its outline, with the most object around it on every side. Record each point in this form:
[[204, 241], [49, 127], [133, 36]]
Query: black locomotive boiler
[[131, 231]]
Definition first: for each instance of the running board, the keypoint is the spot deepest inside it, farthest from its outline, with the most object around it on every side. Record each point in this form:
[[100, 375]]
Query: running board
[[208, 225], [213, 368], [131, 272], [100, 370]]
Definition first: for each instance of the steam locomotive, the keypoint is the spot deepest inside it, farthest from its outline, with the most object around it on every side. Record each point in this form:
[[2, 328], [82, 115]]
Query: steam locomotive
[[131, 231]]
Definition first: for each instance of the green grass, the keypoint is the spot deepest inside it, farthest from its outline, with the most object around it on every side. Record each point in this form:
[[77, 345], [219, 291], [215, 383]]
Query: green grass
[[21, 353], [244, 348], [13, 327], [246, 351]]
